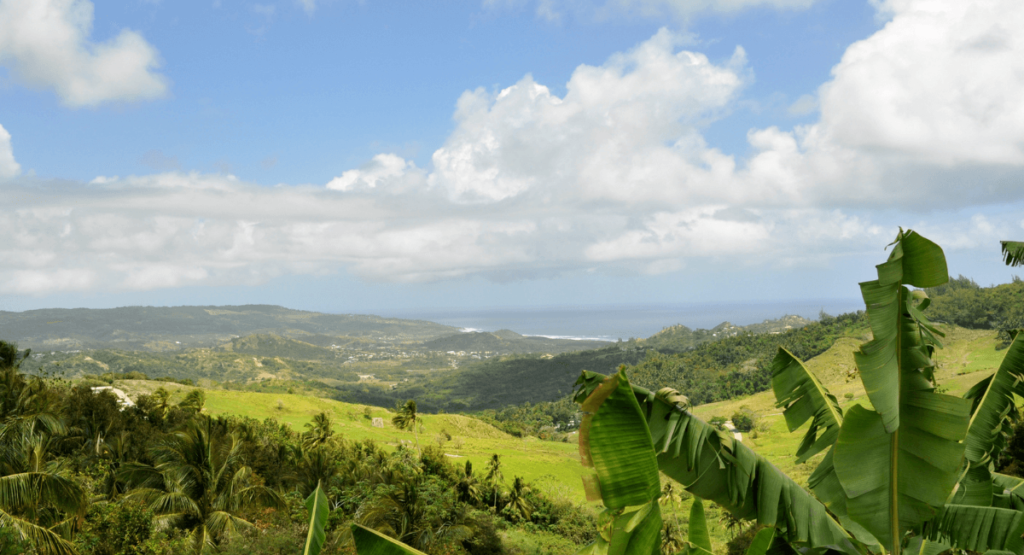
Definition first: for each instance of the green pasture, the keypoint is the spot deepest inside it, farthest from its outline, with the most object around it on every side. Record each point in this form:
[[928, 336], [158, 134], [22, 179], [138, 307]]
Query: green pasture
[[554, 468]]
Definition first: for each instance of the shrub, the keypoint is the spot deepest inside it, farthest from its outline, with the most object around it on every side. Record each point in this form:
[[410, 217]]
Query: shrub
[[743, 421], [116, 529]]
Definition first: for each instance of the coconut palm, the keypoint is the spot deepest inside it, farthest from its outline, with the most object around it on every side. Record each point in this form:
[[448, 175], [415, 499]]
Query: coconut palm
[[407, 419], [198, 483], [319, 431], [494, 478], [193, 401], [517, 501], [467, 487], [35, 501]]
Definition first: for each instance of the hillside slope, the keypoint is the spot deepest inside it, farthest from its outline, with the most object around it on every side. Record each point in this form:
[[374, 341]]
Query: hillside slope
[[163, 328]]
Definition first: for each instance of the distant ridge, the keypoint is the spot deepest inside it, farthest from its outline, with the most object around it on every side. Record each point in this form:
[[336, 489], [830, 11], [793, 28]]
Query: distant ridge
[[682, 338], [162, 328], [508, 341]]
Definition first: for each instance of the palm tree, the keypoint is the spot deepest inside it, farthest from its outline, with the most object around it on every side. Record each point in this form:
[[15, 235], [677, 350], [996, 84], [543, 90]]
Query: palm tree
[[517, 499], [319, 431], [314, 466], [163, 401], [403, 514], [194, 401], [36, 502], [198, 483], [407, 419], [494, 478], [467, 487]]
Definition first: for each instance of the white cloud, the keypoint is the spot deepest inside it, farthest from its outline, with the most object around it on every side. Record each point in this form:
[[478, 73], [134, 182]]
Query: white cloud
[[9, 167], [612, 176], [625, 130], [385, 170], [45, 43], [941, 84], [309, 6]]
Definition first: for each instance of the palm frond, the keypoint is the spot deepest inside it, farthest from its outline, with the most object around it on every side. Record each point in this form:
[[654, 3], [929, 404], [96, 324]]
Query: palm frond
[[46, 541], [1013, 252]]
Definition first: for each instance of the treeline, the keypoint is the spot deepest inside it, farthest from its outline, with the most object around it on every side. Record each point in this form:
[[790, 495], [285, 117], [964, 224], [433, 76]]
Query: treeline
[[81, 474], [497, 383], [966, 304], [711, 371], [739, 365]]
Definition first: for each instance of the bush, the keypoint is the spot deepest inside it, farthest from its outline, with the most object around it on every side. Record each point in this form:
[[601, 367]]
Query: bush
[[718, 422], [116, 529], [743, 421]]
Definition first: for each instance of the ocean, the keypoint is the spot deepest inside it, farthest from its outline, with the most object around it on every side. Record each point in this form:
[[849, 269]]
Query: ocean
[[613, 322]]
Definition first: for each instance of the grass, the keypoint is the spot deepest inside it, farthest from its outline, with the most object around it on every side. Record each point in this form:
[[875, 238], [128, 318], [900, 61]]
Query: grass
[[554, 468]]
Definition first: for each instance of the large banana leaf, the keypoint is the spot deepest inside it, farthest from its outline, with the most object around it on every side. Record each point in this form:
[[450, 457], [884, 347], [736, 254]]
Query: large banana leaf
[[979, 528], [1013, 252], [712, 465], [898, 463], [316, 504], [895, 482], [616, 443], [805, 398], [993, 400], [699, 536], [372, 542], [914, 261]]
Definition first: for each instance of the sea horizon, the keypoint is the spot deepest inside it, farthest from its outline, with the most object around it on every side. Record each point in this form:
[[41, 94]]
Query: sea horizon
[[614, 322]]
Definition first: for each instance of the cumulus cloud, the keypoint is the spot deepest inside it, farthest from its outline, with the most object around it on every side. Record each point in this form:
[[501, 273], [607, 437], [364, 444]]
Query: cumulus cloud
[[45, 43], [626, 130], [8, 166], [612, 176]]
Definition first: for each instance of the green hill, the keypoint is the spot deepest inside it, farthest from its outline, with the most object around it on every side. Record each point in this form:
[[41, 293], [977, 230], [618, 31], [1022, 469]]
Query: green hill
[[165, 328], [508, 342]]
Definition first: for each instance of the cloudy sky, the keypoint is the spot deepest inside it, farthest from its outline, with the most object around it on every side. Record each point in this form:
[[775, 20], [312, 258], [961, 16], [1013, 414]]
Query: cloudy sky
[[373, 156]]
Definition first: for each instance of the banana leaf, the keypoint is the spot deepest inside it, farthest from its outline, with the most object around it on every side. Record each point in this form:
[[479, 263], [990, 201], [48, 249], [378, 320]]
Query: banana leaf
[[616, 443], [761, 542], [316, 504], [713, 466], [1013, 252], [899, 463], [979, 528], [372, 542], [990, 425], [914, 261], [804, 398], [699, 536]]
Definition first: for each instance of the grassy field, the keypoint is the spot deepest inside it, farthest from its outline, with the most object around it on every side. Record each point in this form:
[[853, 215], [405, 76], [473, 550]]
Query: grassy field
[[554, 468]]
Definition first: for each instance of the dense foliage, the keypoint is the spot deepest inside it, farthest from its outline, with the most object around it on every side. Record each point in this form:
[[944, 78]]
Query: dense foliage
[[79, 473], [968, 305], [739, 365]]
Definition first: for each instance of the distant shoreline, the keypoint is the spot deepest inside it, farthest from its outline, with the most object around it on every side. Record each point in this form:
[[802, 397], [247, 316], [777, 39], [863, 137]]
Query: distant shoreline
[[610, 323]]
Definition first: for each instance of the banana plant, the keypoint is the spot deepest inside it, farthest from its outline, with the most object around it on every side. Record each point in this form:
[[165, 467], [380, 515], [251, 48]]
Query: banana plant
[[915, 470], [907, 474], [316, 504]]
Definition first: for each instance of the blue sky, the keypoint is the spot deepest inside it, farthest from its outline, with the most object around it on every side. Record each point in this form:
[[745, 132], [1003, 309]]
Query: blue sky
[[382, 156]]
